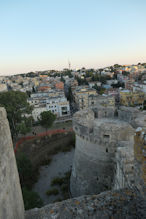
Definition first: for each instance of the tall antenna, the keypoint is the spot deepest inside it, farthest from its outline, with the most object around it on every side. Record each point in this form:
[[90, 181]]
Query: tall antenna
[[69, 65]]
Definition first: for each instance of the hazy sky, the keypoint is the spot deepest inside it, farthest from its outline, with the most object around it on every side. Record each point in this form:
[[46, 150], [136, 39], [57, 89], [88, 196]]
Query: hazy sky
[[44, 34]]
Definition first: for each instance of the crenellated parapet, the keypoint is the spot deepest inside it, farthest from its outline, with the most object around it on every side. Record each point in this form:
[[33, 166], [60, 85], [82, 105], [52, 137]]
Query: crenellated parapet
[[101, 129]]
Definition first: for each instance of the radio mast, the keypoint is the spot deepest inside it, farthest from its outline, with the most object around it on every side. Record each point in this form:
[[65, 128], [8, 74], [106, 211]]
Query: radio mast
[[69, 65]]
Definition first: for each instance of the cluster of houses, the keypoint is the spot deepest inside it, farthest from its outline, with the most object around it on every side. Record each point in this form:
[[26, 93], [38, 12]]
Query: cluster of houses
[[49, 92]]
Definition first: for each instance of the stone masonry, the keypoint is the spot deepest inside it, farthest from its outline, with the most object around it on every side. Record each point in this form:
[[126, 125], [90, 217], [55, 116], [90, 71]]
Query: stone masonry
[[11, 202], [101, 141], [96, 146]]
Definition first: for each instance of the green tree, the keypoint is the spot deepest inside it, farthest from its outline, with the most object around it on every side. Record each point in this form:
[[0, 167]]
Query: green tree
[[117, 65], [25, 126], [144, 105], [100, 90], [125, 73], [25, 170], [62, 79], [16, 105], [69, 95], [46, 119], [31, 199]]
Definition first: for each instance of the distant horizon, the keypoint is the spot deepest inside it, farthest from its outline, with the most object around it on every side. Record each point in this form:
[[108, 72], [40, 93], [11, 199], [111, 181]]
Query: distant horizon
[[37, 35], [125, 64]]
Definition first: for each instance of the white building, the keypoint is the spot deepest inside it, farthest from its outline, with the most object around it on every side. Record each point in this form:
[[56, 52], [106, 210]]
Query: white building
[[3, 87], [139, 87], [58, 105], [43, 102], [37, 111]]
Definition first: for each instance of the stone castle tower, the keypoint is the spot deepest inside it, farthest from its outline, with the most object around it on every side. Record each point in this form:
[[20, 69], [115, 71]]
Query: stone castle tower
[[104, 154]]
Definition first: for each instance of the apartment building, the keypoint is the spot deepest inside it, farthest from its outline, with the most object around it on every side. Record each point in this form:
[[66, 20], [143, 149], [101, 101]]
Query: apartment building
[[55, 102], [129, 98], [58, 105], [81, 96], [3, 87]]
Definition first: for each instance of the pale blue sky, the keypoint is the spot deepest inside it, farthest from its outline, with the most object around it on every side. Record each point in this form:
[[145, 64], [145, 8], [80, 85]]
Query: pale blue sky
[[44, 34]]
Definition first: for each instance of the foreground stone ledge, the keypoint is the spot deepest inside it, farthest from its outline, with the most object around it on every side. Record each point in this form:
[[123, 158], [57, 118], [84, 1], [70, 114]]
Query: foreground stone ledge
[[121, 204]]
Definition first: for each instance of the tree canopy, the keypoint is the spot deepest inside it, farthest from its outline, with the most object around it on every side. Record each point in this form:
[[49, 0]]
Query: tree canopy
[[16, 105], [47, 118], [31, 199]]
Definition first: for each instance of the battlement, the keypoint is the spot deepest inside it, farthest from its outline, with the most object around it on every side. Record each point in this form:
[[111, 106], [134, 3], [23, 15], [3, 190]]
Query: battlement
[[86, 118]]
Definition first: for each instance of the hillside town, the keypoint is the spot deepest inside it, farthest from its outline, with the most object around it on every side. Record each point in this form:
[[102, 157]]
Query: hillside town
[[72, 109], [75, 133], [65, 92]]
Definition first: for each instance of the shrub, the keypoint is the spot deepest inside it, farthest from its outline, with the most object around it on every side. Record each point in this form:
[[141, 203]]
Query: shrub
[[64, 188], [31, 199], [58, 200], [46, 162], [25, 170], [53, 191], [57, 181]]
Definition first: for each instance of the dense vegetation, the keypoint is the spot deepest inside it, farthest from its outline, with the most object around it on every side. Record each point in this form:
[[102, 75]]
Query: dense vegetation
[[62, 184], [18, 111], [27, 176]]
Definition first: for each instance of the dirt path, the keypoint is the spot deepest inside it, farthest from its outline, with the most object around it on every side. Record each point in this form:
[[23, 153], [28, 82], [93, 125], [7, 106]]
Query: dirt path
[[61, 163]]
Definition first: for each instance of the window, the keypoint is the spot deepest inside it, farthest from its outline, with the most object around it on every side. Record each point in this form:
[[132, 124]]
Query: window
[[106, 150], [95, 114], [106, 136]]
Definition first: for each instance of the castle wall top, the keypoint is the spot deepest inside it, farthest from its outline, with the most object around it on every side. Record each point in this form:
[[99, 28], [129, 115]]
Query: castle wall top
[[104, 205], [11, 203]]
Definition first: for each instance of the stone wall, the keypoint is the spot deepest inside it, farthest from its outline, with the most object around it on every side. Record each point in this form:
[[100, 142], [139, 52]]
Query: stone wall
[[122, 204], [95, 161], [92, 163], [124, 177], [11, 202], [140, 160]]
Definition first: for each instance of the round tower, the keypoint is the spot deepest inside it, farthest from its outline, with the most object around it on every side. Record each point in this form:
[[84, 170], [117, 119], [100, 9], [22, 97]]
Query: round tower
[[97, 140]]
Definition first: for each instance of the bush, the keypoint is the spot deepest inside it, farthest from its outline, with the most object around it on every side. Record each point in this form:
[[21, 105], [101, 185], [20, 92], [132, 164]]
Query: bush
[[52, 192], [55, 150], [46, 162], [58, 200], [31, 199], [64, 188], [25, 170], [57, 181]]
